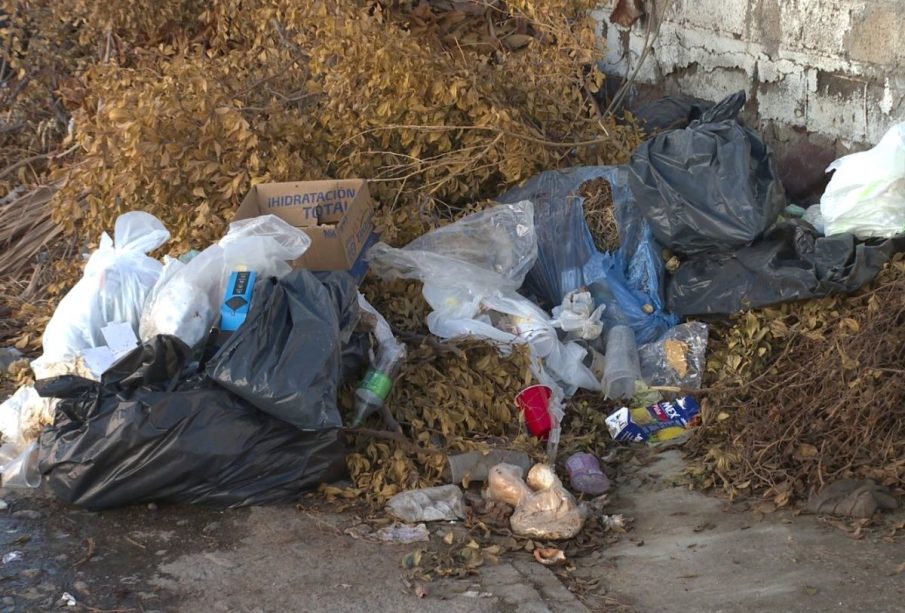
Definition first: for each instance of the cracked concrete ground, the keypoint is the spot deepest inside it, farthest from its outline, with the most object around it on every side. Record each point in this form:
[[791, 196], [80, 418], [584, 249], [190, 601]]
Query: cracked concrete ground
[[686, 552]]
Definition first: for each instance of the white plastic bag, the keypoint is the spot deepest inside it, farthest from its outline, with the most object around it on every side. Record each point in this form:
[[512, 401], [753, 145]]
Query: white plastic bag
[[866, 196], [113, 288], [814, 217], [578, 314], [186, 302], [471, 270], [183, 310]]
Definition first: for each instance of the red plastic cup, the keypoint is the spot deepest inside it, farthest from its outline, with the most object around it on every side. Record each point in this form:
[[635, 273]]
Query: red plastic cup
[[534, 402]]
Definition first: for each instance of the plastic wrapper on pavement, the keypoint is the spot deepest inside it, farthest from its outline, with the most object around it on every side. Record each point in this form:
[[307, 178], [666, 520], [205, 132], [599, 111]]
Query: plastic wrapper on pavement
[[678, 358], [286, 358], [629, 282], [147, 433], [866, 196], [710, 187], [117, 278], [792, 262], [440, 503]]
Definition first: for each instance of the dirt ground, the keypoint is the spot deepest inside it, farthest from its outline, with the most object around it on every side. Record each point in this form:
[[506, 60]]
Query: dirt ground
[[686, 552]]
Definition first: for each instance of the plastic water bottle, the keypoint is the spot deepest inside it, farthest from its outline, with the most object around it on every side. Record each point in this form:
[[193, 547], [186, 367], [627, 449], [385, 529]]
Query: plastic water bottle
[[377, 383]]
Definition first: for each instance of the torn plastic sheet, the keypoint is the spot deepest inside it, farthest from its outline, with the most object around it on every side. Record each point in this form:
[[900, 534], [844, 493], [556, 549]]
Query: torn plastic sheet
[[628, 282]]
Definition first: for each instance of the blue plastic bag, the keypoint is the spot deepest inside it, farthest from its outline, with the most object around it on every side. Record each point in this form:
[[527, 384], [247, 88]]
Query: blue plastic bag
[[629, 281]]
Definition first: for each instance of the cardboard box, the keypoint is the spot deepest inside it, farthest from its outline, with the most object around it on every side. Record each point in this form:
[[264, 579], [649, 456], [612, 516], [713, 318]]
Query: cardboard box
[[336, 214]]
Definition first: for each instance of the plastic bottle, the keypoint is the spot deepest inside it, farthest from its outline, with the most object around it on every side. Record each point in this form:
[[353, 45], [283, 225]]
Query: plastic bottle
[[374, 388], [622, 366], [477, 464]]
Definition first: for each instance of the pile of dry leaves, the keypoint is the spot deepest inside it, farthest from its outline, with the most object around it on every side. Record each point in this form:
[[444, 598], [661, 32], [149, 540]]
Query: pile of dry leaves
[[177, 109]]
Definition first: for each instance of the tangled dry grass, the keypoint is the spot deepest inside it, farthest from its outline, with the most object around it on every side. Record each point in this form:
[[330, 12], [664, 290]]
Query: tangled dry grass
[[808, 393], [600, 213]]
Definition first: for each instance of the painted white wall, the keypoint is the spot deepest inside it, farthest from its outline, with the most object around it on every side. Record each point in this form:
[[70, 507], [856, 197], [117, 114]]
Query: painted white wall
[[833, 67]]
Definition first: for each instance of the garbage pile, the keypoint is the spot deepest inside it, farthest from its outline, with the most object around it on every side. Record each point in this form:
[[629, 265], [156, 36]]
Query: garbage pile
[[257, 368]]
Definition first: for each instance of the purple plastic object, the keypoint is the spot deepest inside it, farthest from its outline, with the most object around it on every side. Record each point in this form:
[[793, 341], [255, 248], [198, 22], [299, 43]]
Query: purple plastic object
[[585, 474]]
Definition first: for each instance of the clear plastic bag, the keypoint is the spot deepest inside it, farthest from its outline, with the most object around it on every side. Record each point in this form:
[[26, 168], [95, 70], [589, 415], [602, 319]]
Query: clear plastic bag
[[22, 471], [494, 249], [866, 195], [544, 509], [440, 503], [470, 270], [678, 359], [24, 415], [186, 301], [117, 279]]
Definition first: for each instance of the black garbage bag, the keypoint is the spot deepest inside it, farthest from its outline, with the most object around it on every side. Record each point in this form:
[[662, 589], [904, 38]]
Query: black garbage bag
[[792, 262], [150, 431], [710, 187], [674, 112], [286, 359]]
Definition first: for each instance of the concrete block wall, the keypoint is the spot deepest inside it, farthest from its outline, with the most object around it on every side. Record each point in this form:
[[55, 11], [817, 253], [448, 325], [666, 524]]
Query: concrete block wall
[[834, 68]]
